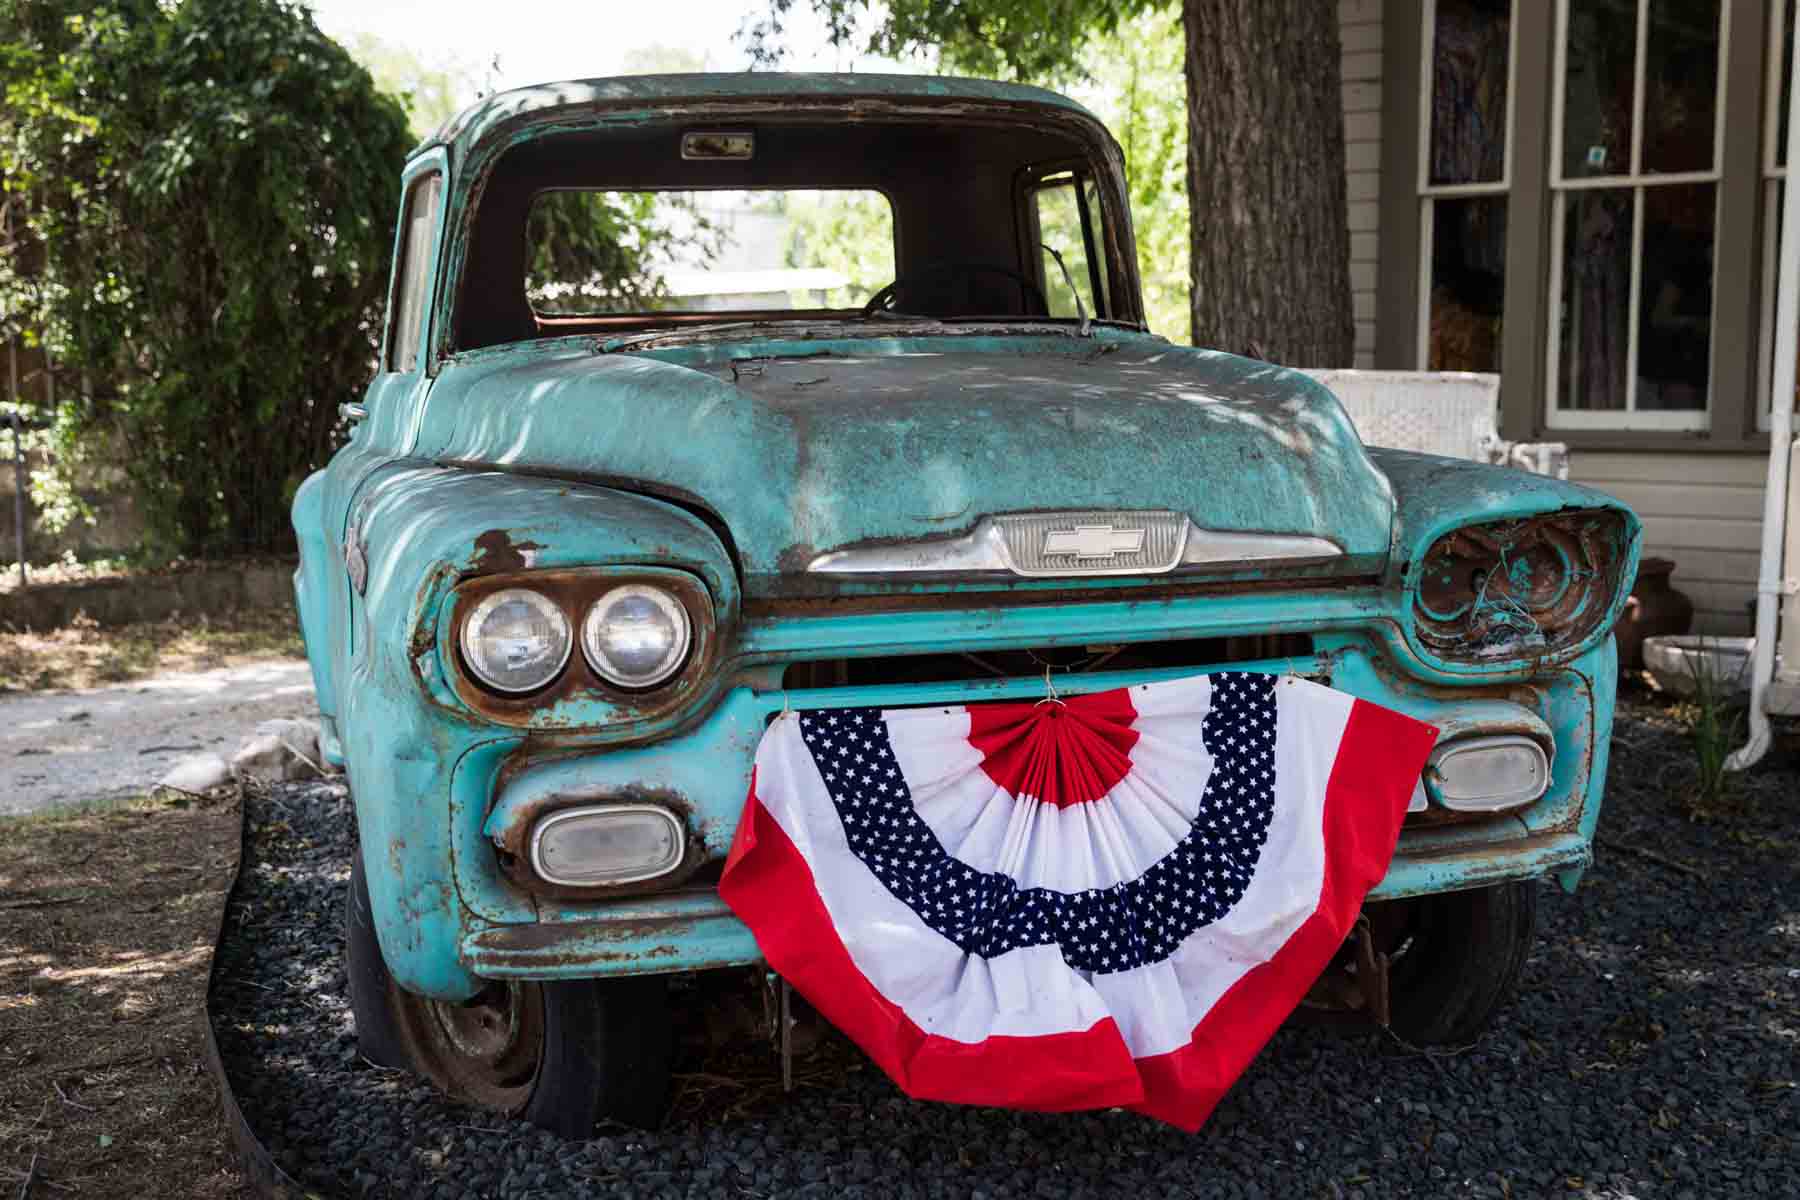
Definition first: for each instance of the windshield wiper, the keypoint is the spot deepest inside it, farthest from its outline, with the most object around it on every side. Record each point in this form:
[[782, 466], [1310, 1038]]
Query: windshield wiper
[[1069, 280]]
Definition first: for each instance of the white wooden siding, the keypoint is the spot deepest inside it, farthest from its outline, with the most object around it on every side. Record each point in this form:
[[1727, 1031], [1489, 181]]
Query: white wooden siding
[[1702, 510], [1359, 26]]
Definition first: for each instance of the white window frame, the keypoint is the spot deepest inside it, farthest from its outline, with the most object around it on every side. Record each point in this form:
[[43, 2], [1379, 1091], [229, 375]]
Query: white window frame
[[1629, 417], [1773, 175], [1430, 193]]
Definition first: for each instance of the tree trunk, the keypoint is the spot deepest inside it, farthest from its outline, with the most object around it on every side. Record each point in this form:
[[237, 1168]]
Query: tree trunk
[[1268, 225]]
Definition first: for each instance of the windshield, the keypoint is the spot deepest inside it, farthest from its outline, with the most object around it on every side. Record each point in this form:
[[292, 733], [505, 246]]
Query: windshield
[[623, 230], [593, 252]]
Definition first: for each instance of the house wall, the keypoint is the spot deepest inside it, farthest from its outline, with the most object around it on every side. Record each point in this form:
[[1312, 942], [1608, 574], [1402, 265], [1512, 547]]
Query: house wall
[[1359, 27]]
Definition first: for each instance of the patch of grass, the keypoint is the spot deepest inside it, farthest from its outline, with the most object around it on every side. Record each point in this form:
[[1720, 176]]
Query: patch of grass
[[107, 919], [1718, 726], [84, 654]]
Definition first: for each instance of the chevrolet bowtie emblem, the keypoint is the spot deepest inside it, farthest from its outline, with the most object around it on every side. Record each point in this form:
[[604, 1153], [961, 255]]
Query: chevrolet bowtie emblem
[[1093, 542]]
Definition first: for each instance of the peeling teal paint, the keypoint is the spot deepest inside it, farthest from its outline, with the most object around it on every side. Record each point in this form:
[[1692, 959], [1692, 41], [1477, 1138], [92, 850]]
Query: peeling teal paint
[[941, 430]]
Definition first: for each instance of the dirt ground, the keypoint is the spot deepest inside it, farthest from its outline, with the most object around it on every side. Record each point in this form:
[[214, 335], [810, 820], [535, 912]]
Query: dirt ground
[[84, 655], [107, 921]]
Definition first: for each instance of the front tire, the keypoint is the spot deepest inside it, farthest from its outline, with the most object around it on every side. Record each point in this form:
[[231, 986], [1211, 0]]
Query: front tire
[[1458, 961], [561, 1055]]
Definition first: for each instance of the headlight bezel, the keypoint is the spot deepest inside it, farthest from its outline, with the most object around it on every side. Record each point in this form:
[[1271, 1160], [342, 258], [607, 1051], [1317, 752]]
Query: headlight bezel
[[579, 688], [1463, 620]]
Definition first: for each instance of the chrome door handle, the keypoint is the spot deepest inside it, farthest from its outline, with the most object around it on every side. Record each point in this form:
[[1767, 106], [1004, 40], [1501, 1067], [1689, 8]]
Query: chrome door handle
[[353, 412]]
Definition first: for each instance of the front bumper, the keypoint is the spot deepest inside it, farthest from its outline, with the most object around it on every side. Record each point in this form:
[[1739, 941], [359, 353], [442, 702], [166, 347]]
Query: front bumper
[[703, 774]]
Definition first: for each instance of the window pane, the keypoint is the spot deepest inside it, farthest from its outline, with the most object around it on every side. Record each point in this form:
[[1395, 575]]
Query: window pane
[[1596, 299], [408, 306], [1059, 229], [1597, 100], [1676, 303], [1681, 85], [592, 253], [1468, 91], [1090, 194], [1468, 268]]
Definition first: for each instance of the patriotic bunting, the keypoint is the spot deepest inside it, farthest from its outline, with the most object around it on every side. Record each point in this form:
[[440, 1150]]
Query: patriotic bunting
[[1098, 901]]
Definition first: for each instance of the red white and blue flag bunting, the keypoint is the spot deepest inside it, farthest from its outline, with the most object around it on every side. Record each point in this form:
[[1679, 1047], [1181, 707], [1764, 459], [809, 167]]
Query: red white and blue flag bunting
[[1109, 900]]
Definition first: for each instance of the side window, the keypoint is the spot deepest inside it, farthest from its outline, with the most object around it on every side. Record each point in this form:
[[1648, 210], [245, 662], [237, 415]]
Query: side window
[[1066, 211], [406, 310]]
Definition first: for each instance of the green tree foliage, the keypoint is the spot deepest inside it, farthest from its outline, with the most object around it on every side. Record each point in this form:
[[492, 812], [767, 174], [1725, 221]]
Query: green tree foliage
[[1132, 79], [1022, 39], [605, 252], [208, 190], [431, 94], [850, 232]]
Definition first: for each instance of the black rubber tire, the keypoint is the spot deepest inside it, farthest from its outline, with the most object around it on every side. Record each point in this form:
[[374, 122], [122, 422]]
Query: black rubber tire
[[1464, 957], [606, 1056], [378, 1035], [606, 1045]]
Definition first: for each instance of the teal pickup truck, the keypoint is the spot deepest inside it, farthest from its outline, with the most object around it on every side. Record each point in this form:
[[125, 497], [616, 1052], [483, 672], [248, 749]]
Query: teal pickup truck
[[703, 398]]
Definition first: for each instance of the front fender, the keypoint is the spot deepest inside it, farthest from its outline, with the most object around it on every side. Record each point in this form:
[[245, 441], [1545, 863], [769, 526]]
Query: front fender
[[425, 528]]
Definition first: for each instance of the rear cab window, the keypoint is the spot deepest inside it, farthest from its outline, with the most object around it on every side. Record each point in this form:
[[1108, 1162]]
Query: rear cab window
[[593, 252]]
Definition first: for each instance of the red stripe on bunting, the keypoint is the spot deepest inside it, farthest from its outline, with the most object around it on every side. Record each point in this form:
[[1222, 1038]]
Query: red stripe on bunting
[[1060, 752], [769, 884], [1371, 781]]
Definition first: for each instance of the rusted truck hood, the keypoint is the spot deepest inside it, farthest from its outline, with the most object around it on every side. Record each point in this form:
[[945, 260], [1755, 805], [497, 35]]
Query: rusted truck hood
[[806, 447]]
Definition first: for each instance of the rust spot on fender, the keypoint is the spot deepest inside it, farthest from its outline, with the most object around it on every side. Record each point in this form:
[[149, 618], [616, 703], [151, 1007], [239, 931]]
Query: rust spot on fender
[[795, 559], [587, 943], [495, 551]]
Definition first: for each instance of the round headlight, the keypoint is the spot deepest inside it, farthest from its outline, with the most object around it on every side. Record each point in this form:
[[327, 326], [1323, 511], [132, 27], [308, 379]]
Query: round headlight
[[636, 636], [516, 640]]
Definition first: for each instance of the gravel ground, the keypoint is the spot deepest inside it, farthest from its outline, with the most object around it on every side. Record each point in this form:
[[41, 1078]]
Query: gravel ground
[[1654, 1051]]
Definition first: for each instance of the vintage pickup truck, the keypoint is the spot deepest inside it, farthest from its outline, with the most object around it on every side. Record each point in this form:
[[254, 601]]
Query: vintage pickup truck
[[589, 535]]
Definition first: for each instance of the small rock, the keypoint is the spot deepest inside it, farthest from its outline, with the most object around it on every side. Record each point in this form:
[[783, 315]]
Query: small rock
[[197, 774], [279, 751]]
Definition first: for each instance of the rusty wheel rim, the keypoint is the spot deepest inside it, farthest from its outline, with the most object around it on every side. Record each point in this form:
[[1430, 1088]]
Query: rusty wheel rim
[[486, 1049]]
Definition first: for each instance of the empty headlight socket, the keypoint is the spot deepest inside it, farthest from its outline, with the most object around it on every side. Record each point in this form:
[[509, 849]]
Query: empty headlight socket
[[1498, 592]]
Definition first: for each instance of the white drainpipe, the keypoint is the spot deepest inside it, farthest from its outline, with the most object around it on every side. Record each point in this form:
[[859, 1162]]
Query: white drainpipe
[[1770, 585]]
